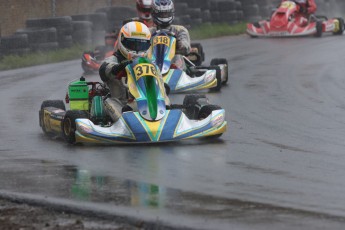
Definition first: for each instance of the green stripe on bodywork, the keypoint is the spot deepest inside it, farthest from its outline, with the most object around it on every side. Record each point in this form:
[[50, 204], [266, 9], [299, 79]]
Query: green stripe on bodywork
[[151, 96]]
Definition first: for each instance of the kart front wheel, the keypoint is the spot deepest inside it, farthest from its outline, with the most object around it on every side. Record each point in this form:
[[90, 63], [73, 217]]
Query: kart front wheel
[[192, 103], [49, 103], [206, 111], [68, 124], [218, 77], [341, 26], [222, 61], [318, 29]]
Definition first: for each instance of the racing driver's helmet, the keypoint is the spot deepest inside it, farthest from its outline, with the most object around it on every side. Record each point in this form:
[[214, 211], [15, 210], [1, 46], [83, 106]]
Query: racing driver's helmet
[[163, 12], [144, 9], [134, 40]]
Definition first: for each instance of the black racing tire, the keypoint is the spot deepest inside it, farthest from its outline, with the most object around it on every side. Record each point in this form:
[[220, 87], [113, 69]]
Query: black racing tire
[[68, 125], [167, 88], [99, 20], [82, 25], [205, 111], [53, 103], [16, 41], [190, 103], [59, 104], [218, 77], [227, 5], [341, 25], [221, 61], [48, 22], [318, 29], [192, 99]]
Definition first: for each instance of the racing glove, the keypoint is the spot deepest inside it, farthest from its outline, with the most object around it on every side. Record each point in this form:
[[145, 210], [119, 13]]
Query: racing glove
[[116, 69]]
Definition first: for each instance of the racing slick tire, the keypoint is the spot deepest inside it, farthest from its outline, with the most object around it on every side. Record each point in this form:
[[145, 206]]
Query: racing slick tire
[[68, 125], [341, 25], [49, 103], [192, 104], [222, 61], [205, 111], [318, 33], [167, 88], [218, 77]]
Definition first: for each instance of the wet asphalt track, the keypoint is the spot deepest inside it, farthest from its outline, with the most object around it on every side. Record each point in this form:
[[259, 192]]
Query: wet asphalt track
[[281, 164]]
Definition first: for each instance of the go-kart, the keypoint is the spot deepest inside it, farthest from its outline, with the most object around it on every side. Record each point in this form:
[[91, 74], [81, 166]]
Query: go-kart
[[190, 78], [92, 60], [286, 21], [153, 121]]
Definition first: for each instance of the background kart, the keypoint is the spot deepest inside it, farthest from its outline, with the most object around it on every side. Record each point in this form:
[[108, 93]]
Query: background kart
[[153, 121], [186, 76], [92, 60], [287, 22]]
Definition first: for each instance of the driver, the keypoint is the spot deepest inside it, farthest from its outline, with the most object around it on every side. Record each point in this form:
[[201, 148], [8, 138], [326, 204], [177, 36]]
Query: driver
[[134, 40], [163, 16], [144, 10], [307, 7]]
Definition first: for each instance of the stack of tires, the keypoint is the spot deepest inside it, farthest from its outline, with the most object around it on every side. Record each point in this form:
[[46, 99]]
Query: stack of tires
[[116, 15], [181, 15], [14, 45], [194, 12], [89, 29], [63, 26], [40, 39]]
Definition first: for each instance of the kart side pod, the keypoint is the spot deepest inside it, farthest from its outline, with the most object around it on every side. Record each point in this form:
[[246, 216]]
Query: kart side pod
[[78, 93]]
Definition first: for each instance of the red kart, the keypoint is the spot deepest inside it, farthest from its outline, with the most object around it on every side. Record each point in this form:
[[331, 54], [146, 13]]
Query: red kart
[[92, 60], [286, 21]]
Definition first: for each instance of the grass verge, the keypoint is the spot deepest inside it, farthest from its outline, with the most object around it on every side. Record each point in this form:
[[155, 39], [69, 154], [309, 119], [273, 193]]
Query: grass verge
[[202, 32], [38, 58]]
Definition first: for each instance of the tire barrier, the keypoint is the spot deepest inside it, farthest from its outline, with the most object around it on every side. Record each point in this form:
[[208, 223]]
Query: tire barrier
[[63, 26], [90, 29]]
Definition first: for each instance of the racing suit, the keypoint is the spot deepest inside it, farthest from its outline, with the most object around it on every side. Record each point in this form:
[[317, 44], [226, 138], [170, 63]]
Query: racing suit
[[307, 7], [111, 72], [183, 46]]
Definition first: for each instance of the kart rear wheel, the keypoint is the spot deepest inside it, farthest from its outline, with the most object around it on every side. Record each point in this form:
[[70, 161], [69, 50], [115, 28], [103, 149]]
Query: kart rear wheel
[[218, 77], [49, 103], [341, 27], [222, 61], [206, 111], [318, 29], [68, 124]]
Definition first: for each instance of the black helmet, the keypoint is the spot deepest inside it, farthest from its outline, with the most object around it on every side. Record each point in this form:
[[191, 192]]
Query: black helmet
[[163, 12]]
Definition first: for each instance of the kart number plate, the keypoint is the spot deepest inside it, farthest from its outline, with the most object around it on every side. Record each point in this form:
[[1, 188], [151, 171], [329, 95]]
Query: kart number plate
[[146, 69], [284, 33], [164, 40]]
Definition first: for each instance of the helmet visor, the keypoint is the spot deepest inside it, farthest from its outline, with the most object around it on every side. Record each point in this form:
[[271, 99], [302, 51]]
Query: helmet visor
[[145, 10], [164, 14], [136, 44]]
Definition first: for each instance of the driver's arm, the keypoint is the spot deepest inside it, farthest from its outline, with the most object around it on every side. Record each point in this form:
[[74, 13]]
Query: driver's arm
[[311, 7], [183, 40]]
